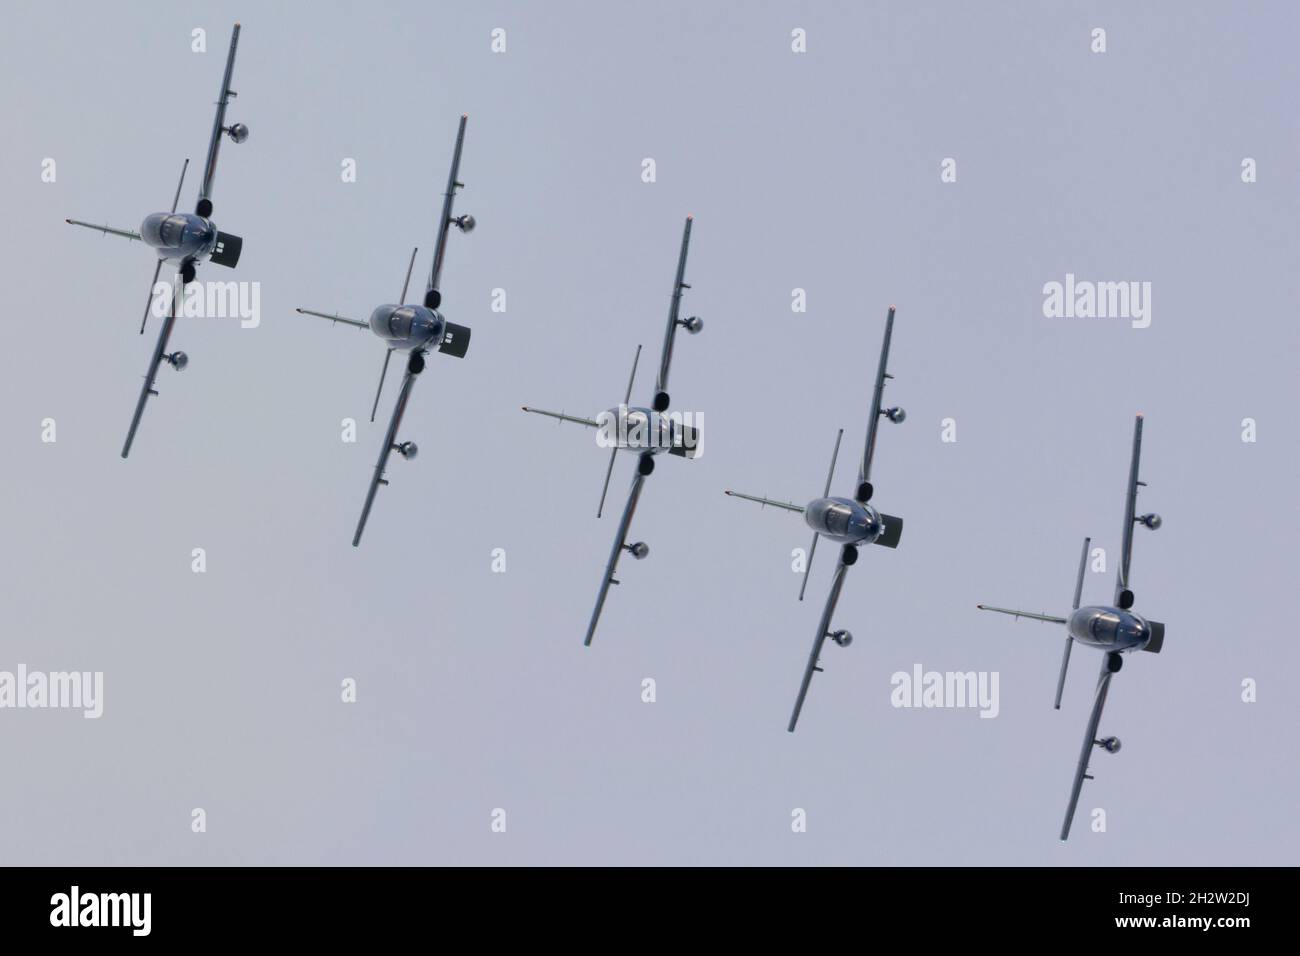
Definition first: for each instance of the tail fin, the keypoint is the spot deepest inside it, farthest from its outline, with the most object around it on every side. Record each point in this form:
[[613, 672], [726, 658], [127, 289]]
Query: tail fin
[[455, 340], [893, 531], [689, 445], [1157, 639], [227, 250]]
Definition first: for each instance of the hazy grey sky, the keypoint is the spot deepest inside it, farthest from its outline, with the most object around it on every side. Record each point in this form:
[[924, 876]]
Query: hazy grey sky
[[818, 171]]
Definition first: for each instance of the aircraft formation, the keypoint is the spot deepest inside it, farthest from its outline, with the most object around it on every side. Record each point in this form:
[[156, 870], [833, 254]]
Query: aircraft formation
[[186, 240]]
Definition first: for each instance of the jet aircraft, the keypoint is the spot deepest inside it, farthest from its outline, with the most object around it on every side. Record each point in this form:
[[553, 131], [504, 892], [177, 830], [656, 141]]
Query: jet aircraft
[[643, 432], [849, 522], [1115, 629], [184, 239], [413, 329]]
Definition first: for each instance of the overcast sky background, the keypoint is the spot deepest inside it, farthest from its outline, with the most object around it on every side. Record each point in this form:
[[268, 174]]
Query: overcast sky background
[[818, 171]]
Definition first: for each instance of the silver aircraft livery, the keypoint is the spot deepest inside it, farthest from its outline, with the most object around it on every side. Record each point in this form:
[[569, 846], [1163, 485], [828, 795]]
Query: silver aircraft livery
[[413, 329], [1114, 629], [849, 522], [184, 239]]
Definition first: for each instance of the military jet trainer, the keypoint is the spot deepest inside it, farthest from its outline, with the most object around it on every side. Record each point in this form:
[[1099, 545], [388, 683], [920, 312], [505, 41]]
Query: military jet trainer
[[644, 432], [185, 239], [850, 522], [413, 329], [1114, 629]]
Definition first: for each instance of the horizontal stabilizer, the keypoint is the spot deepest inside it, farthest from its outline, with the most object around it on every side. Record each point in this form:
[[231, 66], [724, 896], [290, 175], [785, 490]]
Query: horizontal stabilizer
[[455, 340], [227, 250], [690, 443], [893, 531], [1157, 639]]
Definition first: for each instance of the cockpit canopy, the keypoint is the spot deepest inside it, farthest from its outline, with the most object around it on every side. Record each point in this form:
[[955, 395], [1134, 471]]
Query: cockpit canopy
[[179, 235], [1108, 627], [844, 520], [407, 326]]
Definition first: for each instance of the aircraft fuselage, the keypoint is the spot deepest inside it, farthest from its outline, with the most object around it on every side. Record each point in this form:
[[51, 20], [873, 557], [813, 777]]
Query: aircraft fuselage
[[408, 326], [179, 235], [640, 430], [1109, 627], [844, 520]]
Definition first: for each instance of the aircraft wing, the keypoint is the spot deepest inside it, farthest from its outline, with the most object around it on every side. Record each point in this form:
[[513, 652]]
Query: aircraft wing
[[674, 310], [1130, 512], [105, 229], [620, 539], [1050, 618], [823, 628], [448, 200], [151, 373], [335, 318], [387, 449], [873, 420], [1089, 741], [589, 422], [357, 323], [787, 505], [131, 234], [219, 122]]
